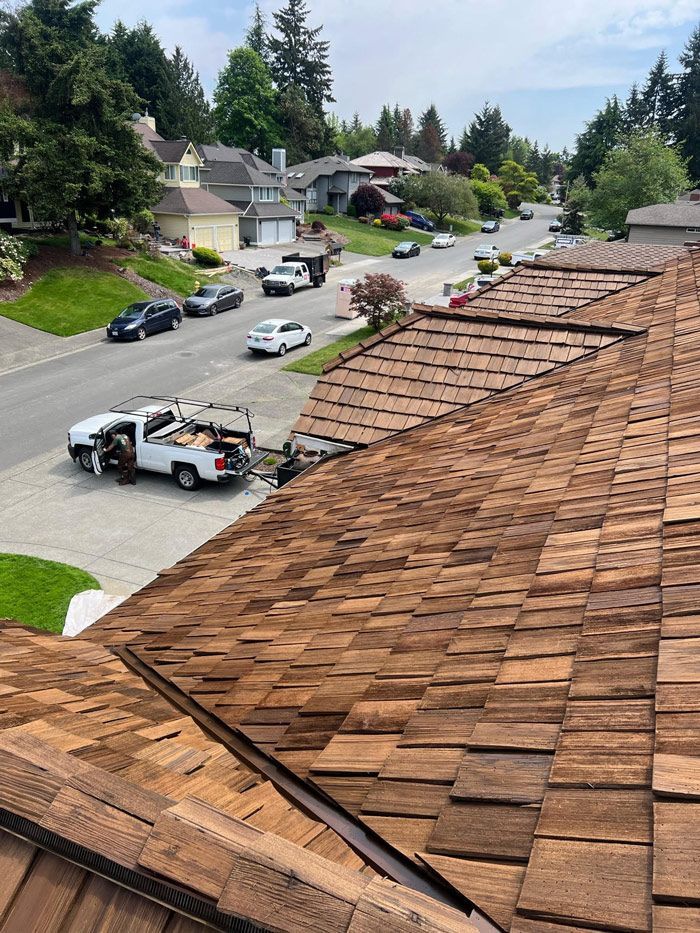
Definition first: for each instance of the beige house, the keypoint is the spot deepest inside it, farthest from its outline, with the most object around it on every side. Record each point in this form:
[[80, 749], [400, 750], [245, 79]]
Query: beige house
[[186, 209]]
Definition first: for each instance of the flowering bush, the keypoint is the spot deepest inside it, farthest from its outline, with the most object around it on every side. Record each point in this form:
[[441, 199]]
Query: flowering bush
[[377, 222], [394, 221], [13, 257]]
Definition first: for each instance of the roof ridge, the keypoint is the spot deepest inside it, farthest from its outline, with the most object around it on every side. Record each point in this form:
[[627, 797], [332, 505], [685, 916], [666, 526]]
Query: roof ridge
[[555, 322]]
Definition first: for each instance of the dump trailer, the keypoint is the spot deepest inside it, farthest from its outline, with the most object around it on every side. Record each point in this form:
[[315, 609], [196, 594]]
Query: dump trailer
[[296, 271]]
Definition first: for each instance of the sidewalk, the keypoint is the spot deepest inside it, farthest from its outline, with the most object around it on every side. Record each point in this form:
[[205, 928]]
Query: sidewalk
[[21, 345]]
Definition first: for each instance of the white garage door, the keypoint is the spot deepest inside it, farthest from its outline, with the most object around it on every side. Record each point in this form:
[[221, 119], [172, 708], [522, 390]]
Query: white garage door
[[268, 232], [204, 236], [224, 238], [287, 232]]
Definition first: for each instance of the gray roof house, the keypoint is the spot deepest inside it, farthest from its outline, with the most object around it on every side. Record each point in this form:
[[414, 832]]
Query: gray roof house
[[675, 224], [255, 187], [328, 180]]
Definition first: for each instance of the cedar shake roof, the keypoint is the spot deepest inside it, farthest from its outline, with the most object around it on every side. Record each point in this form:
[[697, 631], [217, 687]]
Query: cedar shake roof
[[435, 361], [481, 636], [613, 257], [93, 757], [193, 201]]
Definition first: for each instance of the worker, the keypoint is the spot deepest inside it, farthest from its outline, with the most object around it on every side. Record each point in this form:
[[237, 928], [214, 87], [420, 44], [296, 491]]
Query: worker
[[184, 242], [126, 464]]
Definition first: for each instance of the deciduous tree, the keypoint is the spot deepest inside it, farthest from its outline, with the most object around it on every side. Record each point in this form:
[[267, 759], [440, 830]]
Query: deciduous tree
[[367, 199], [245, 103], [459, 162], [379, 298], [442, 194]]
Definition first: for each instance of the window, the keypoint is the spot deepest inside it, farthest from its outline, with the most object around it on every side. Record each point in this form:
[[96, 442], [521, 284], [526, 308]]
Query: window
[[692, 229], [354, 178], [311, 192], [267, 194], [171, 172], [189, 173]]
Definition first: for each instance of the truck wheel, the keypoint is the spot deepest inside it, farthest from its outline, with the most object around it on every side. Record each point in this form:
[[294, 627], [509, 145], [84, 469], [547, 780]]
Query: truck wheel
[[318, 283], [266, 290], [282, 350], [85, 459], [290, 289], [141, 333], [187, 477]]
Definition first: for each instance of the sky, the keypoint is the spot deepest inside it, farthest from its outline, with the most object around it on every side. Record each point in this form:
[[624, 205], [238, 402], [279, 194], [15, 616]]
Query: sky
[[550, 64]]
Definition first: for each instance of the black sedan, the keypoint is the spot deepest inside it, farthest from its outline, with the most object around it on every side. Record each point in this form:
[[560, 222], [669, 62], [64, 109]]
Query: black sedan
[[145, 317], [491, 226], [210, 299], [527, 214], [405, 250]]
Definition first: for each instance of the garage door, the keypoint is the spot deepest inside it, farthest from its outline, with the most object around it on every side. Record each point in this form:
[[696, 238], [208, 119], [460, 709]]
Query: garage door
[[268, 232], [288, 232], [204, 236], [224, 238]]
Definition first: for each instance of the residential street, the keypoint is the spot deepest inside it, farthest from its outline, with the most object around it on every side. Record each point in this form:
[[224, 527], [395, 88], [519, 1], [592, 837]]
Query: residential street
[[50, 508]]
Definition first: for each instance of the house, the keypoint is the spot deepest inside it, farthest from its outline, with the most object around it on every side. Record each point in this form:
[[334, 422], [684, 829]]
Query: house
[[445, 682], [386, 165], [187, 209], [675, 223], [330, 180], [256, 189], [15, 214]]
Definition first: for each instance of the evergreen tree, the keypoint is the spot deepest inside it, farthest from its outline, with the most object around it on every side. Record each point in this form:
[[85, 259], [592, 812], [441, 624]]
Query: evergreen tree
[[574, 219], [658, 100], [599, 137], [256, 37], [634, 110], [548, 160], [193, 117], [688, 120], [464, 141], [70, 151], [404, 130], [534, 159], [452, 148], [488, 136], [386, 130], [355, 139], [519, 149], [298, 58], [303, 130], [431, 137], [245, 103]]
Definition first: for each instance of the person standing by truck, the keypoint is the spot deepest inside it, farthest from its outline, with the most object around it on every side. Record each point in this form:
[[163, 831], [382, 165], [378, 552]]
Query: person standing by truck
[[126, 464]]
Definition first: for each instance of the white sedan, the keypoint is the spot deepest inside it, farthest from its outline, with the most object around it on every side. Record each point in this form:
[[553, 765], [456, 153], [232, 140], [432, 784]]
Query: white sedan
[[486, 251], [443, 240], [277, 336]]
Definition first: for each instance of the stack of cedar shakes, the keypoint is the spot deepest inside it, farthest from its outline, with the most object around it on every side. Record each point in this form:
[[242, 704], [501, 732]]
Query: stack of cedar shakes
[[438, 693]]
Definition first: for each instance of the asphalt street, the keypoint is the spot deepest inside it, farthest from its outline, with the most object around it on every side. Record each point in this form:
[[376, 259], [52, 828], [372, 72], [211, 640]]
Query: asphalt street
[[38, 403]]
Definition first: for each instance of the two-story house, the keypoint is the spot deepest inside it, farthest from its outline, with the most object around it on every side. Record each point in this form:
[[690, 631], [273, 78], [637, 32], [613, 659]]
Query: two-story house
[[257, 189], [328, 180], [187, 209]]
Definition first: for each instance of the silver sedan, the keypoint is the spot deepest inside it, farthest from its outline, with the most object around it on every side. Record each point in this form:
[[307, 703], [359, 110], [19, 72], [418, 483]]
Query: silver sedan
[[443, 240]]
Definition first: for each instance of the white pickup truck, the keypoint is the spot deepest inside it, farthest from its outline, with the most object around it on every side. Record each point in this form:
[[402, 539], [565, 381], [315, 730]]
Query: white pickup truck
[[296, 271], [518, 258], [173, 436]]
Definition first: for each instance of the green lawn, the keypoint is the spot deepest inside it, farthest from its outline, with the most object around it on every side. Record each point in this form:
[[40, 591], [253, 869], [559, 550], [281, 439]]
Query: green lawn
[[595, 233], [62, 239], [369, 240], [170, 273], [70, 301], [460, 286], [312, 364], [460, 225], [37, 592]]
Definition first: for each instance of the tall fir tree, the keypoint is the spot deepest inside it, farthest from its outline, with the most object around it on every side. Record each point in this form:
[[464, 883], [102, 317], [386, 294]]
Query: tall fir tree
[[634, 115], [659, 100], [256, 37], [192, 115], [431, 138], [386, 130], [533, 162], [688, 119], [405, 130], [298, 57], [487, 137], [600, 136]]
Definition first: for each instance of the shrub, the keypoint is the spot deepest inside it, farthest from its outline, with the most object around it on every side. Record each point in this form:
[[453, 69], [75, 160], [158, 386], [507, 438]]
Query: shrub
[[376, 222], [380, 298], [394, 221], [367, 199], [329, 210], [352, 210], [318, 226], [142, 221], [363, 220], [207, 257], [487, 266], [514, 198], [13, 257], [118, 227], [505, 259]]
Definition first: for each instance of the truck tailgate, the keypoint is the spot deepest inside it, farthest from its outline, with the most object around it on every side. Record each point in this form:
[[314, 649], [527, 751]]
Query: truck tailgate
[[256, 458]]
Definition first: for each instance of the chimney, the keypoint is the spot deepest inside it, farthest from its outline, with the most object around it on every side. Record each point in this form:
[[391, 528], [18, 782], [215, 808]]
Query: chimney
[[399, 152], [279, 160], [149, 121]]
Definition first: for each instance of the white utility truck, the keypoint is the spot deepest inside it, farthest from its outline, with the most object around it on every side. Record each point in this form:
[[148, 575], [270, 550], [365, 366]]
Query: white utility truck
[[192, 441], [296, 271], [518, 258]]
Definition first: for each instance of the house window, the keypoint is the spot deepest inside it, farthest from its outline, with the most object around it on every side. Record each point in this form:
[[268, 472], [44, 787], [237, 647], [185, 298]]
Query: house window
[[189, 173], [311, 193], [267, 194], [171, 172], [354, 178], [692, 229]]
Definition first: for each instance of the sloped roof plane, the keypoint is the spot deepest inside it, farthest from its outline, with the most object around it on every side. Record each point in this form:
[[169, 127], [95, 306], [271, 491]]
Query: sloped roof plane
[[479, 636]]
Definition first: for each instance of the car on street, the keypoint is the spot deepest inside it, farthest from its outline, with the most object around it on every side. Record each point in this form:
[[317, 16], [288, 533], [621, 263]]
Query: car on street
[[142, 318], [405, 250], [210, 299], [527, 214], [555, 226], [486, 251], [277, 335], [420, 221], [443, 240], [491, 226]]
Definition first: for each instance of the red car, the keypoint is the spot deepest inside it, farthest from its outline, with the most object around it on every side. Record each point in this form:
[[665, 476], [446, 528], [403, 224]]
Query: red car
[[459, 301]]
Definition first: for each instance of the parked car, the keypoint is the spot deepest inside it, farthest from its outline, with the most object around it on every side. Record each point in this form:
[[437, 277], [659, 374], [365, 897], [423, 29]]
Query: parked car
[[210, 299], [405, 250], [491, 226], [443, 240], [277, 336], [142, 318], [555, 226], [420, 221], [527, 214], [486, 251]]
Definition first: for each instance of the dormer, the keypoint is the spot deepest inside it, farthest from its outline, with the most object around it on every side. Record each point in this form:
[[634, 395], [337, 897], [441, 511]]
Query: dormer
[[182, 163]]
